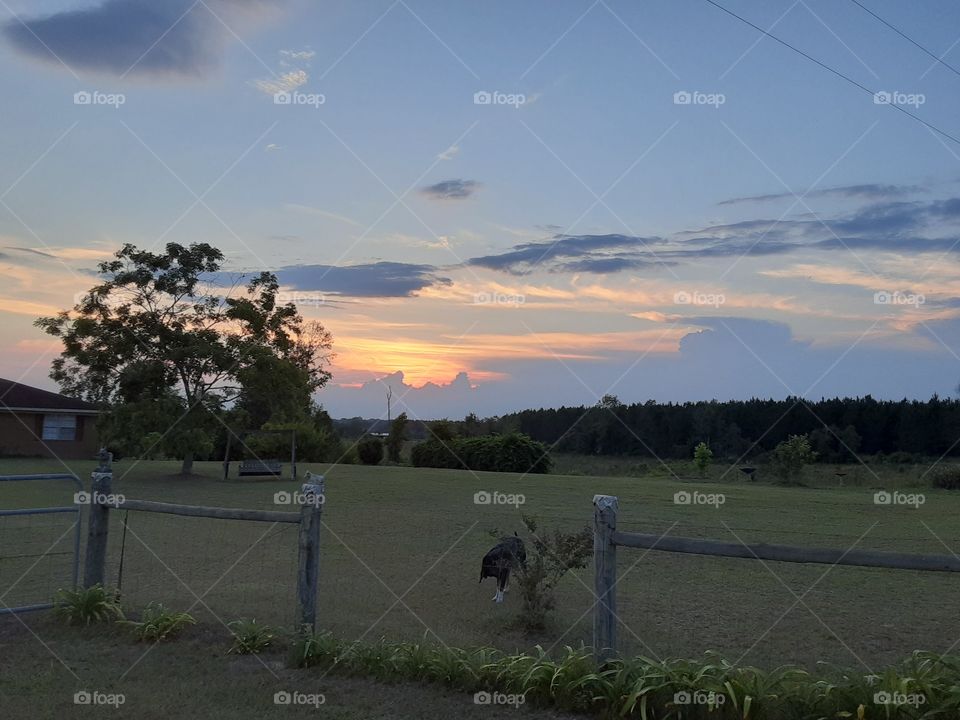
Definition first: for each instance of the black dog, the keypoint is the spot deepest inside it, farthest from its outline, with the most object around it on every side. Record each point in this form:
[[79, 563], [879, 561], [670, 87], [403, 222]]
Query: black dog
[[506, 555]]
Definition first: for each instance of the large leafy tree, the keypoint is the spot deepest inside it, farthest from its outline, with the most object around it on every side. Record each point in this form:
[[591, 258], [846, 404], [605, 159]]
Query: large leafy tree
[[157, 330]]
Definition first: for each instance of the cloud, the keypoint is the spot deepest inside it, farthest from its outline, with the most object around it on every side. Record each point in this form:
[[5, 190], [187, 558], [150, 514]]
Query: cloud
[[868, 191], [298, 55], [574, 253], [379, 279], [288, 82], [173, 37], [449, 153], [451, 189], [273, 147]]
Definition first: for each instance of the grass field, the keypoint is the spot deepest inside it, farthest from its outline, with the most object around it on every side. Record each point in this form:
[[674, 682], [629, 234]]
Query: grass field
[[401, 550]]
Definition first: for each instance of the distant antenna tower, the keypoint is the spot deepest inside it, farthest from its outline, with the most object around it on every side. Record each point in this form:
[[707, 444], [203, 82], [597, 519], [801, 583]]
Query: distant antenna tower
[[389, 398]]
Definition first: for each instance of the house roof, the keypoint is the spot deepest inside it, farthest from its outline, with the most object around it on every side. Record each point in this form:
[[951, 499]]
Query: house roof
[[17, 396]]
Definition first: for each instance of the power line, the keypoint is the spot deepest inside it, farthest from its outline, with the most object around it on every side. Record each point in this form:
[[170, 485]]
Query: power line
[[905, 36], [839, 74]]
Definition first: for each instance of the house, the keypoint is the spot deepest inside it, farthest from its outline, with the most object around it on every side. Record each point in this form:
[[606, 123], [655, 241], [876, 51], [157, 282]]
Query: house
[[39, 423]]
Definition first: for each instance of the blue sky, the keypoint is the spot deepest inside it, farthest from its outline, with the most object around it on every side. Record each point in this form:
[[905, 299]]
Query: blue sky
[[588, 234]]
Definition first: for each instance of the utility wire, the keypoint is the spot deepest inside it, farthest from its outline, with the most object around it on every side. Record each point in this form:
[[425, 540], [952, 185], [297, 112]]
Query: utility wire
[[839, 74], [905, 36]]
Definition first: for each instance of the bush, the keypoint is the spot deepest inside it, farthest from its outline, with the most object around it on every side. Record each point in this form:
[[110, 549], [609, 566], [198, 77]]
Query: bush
[[87, 605], [514, 452], [250, 637], [158, 623], [947, 477], [370, 450], [789, 457]]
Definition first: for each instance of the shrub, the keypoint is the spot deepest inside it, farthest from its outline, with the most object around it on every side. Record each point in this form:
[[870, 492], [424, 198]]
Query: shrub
[[158, 623], [87, 606], [398, 433], [702, 455], [946, 477], [513, 452], [250, 637], [789, 457], [370, 450]]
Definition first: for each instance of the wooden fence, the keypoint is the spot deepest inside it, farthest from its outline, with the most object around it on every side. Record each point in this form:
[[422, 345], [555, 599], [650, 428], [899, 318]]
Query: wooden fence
[[606, 539], [102, 502]]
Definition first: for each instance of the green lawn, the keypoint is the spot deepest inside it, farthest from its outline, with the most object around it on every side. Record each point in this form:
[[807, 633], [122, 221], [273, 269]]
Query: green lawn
[[416, 534]]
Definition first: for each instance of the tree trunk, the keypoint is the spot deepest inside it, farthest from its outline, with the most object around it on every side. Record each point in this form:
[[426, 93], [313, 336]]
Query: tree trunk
[[187, 468]]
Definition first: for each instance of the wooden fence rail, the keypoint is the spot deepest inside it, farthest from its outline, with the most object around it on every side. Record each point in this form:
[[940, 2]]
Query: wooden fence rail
[[606, 539], [308, 547]]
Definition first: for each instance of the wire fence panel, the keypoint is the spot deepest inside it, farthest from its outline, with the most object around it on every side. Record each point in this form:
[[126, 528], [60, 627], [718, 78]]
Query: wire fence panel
[[217, 570]]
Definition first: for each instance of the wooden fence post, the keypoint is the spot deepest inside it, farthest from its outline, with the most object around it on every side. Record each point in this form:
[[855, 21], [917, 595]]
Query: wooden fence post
[[98, 522], [604, 577], [312, 498]]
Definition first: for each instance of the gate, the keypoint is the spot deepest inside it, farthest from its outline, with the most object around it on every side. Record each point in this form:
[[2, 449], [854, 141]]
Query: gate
[[18, 557]]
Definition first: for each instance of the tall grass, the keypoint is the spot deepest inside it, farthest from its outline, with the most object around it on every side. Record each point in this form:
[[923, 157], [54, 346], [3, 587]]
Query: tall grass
[[923, 687]]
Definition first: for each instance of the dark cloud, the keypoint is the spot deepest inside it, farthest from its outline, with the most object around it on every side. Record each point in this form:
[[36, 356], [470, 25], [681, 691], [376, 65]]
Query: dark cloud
[[869, 191], [31, 251], [380, 279], [575, 253], [159, 37], [451, 189]]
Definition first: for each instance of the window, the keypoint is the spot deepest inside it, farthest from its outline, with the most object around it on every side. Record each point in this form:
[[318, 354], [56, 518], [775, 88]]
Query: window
[[59, 427]]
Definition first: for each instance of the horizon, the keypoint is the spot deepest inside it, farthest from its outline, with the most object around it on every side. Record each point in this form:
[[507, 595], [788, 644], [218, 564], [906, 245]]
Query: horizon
[[501, 209]]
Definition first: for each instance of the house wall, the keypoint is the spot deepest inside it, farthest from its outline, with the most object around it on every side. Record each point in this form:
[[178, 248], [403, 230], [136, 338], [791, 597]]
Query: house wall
[[20, 435]]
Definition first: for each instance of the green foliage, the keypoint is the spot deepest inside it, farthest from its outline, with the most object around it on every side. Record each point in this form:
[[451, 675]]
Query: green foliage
[[370, 450], [497, 453], [790, 456], [86, 606], [549, 558], [398, 433], [250, 637], [946, 477], [702, 455], [158, 623], [710, 688]]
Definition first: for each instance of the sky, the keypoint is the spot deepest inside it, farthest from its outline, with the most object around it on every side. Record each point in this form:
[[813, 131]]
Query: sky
[[507, 205]]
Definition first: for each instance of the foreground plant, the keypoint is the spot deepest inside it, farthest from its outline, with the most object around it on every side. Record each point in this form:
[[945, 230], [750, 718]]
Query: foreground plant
[[158, 623], [250, 637], [86, 606]]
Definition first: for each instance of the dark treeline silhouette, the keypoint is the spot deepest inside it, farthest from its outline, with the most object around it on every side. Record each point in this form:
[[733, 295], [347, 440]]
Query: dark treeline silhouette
[[838, 428]]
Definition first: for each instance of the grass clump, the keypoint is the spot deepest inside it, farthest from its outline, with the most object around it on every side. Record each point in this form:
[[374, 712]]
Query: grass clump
[[86, 606], [250, 637], [159, 623]]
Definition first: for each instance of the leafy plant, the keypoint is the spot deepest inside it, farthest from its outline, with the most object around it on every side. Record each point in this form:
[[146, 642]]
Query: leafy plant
[[158, 623], [250, 637], [702, 455], [370, 450], [789, 457], [946, 477], [398, 433], [86, 606]]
